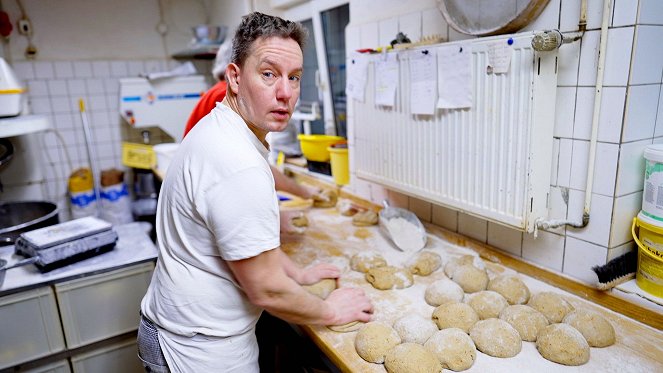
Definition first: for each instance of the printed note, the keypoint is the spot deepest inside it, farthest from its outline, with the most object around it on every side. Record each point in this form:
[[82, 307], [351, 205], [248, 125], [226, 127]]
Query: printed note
[[499, 57], [386, 79], [423, 82], [355, 86], [454, 71]]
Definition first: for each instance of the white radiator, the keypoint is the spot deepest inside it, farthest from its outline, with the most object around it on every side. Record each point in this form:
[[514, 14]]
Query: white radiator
[[493, 160]]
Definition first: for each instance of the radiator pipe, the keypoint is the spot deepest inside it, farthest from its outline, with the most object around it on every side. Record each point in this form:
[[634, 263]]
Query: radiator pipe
[[603, 46]]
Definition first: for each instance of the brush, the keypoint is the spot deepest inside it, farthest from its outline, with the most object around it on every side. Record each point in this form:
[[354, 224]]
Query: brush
[[617, 270]]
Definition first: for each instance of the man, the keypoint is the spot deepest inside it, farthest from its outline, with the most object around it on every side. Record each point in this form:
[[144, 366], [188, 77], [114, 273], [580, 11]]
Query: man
[[217, 222]]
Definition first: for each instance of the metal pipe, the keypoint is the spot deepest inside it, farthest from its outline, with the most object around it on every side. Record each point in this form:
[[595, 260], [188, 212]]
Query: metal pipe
[[582, 23], [91, 156]]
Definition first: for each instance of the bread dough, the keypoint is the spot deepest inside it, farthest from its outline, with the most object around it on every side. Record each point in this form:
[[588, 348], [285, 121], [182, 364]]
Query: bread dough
[[345, 207], [455, 315], [326, 198], [552, 305], [300, 221], [411, 358], [488, 304], [425, 263], [388, 277], [443, 291], [346, 328], [594, 327], [453, 348], [563, 344], [373, 341], [525, 319], [496, 338], [365, 218], [322, 289], [470, 278], [451, 266], [414, 328], [511, 287], [364, 261]]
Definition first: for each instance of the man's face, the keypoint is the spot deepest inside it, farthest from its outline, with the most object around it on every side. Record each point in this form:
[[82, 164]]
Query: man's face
[[268, 83]]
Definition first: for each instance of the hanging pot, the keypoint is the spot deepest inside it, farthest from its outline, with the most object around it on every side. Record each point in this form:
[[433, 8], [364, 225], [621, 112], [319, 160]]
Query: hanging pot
[[24, 216]]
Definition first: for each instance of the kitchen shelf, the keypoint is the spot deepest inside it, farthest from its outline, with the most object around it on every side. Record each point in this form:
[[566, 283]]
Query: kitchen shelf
[[200, 52], [23, 124]]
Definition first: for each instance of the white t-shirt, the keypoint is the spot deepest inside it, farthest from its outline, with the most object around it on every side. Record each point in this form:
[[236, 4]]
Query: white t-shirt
[[217, 204]]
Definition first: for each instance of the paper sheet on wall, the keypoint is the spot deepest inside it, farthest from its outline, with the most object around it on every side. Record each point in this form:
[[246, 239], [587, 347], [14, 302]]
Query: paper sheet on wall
[[454, 72], [386, 79], [355, 86], [423, 83], [499, 57]]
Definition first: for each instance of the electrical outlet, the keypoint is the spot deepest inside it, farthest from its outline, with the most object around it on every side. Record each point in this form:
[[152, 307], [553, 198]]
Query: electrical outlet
[[24, 26]]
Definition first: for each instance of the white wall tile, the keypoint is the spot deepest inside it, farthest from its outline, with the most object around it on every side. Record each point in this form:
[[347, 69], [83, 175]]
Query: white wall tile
[[387, 30], [63, 69], [37, 88], [611, 117], [95, 85], [40, 105], [455, 35], [579, 258], [626, 208], [473, 227], [651, 12], [433, 23], [647, 65], [589, 48], [504, 238], [112, 86], [60, 104], [422, 209], [564, 168], [397, 199], [617, 61], [605, 168], [410, 25], [548, 19], [82, 69], [640, 114], [584, 108], [445, 217], [564, 112], [118, 69], [76, 87], [631, 170], [557, 207], [569, 15], [658, 131], [547, 250], [621, 250], [555, 162], [362, 188], [579, 164], [63, 120], [600, 217], [624, 13], [369, 35], [44, 70], [96, 103], [568, 63], [57, 87], [24, 70], [136, 67], [101, 69]]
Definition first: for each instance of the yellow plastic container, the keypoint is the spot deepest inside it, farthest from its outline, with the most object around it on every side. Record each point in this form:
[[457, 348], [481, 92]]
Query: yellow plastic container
[[340, 165], [138, 155], [315, 147], [649, 238]]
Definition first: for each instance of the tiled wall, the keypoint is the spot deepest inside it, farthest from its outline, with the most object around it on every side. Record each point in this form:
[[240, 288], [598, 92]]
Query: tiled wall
[[631, 118], [54, 89]]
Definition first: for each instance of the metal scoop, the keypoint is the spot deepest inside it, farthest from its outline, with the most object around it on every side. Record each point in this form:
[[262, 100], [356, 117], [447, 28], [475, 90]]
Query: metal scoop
[[402, 227]]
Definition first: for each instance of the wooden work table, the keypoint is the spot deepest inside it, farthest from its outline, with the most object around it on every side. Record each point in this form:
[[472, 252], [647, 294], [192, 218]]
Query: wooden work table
[[331, 237]]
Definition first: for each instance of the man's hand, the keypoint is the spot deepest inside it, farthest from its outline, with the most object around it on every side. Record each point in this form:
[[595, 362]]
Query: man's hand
[[311, 275], [349, 304], [325, 198]]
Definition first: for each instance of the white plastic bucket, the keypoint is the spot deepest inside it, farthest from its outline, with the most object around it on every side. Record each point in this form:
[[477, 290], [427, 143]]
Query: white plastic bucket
[[165, 153], [652, 199]]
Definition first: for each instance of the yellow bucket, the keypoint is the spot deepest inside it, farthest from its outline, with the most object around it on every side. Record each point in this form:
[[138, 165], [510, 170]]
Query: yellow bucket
[[340, 165], [315, 147], [649, 238]]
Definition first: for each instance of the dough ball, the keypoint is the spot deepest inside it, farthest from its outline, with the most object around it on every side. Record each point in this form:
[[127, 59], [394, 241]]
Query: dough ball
[[373, 341], [411, 358], [425, 263], [496, 338], [552, 305], [563, 344], [300, 221], [470, 278], [414, 328], [443, 291], [388, 277], [346, 328], [326, 198], [525, 319], [322, 289], [511, 287], [488, 304], [594, 327], [453, 348], [451, 266], [455, 315], [365, 218], [345, 207], [366, 260]]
